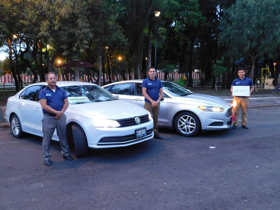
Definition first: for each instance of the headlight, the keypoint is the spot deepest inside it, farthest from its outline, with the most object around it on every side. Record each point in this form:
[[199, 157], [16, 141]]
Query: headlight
[[150, 116], [104, 123], [233, 104], [211, 108]]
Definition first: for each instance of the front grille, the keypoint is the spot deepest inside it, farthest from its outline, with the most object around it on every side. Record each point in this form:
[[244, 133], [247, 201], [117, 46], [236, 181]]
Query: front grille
[[229, 122], [229, 112], [123, 139], [131, 121], [216, 124]]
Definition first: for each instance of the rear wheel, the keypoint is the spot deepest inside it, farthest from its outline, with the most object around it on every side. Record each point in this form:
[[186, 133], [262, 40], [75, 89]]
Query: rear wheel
[[80, 141], [16, 126], [187, 124]]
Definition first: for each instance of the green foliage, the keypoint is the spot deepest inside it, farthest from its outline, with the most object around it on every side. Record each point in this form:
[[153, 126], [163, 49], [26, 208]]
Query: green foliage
[[181, 82], [251, 29], [218, 69]]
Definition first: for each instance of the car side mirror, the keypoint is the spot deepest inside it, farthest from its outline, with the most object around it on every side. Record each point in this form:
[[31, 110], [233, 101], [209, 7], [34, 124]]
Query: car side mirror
[[162, 99], [116, 96]]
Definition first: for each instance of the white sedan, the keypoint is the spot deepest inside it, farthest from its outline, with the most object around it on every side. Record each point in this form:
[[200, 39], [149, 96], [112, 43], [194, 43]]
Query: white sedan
[[180, 109], [95, 118]]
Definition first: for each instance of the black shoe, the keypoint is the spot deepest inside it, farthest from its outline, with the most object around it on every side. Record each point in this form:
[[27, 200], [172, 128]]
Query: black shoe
[[157, 136], [48, 162], [67, 157], [234, 127], [244, 126]]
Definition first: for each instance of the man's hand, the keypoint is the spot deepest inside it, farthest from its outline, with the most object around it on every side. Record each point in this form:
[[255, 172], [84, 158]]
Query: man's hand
[[154, 103], [59, 114]]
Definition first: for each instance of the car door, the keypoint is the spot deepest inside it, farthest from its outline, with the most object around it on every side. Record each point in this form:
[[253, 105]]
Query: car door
[[122, 91], [139, 99], [28, 106]]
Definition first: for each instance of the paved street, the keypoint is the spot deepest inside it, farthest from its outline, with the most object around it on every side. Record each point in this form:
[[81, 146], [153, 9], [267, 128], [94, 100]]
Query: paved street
[[233, 169]]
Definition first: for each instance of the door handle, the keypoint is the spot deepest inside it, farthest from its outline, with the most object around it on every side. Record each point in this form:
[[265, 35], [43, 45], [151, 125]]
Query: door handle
[[138, 99]]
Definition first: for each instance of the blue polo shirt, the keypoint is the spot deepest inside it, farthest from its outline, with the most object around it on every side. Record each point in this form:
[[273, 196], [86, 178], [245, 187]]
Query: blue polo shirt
[[153, 87], [242, 82], [54, 99]]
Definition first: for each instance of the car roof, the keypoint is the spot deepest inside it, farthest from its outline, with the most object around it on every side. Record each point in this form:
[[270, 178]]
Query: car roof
[[127, 81], [65, 83]]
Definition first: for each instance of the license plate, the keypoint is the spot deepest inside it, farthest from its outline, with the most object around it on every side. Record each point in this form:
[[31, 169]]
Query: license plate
[[140, 132]]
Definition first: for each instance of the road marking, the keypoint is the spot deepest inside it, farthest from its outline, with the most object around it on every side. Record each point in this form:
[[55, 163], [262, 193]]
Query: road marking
[[230, 99]]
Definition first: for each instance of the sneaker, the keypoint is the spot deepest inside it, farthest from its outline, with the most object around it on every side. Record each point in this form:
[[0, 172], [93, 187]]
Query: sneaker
[[234, 127], [48, 162]]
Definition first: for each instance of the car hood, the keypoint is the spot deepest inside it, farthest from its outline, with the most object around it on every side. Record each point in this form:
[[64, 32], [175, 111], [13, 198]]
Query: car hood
[[203, 99], [109, 110]]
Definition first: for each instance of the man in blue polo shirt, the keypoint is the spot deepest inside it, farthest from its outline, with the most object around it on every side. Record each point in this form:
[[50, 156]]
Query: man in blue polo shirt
[[153, 92], [54, 102], [241, 101]]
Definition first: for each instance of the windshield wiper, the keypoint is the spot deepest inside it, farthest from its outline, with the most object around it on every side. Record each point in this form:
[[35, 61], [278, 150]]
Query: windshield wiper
[[185, 94]]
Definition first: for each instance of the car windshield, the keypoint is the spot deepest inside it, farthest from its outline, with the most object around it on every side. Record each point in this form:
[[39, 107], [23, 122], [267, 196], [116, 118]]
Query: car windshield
[[80, 94], [175, 89]]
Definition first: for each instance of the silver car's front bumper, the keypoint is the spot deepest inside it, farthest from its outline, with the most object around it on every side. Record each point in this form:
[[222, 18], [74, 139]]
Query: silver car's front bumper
[[217, 121]]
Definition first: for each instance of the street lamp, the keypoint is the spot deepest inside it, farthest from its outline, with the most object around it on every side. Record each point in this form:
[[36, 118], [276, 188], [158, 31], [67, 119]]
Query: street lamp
[[157, 14], [119, 58], [2, 58]]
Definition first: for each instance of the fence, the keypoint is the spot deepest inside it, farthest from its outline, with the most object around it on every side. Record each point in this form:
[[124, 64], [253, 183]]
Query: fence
[[8, 78]]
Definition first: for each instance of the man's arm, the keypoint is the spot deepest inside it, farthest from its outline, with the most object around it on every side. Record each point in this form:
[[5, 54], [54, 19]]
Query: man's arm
[[65, 106], [160, 95], [58, 114], [252, 89], [145, 94], [231, 89], [46, 107]]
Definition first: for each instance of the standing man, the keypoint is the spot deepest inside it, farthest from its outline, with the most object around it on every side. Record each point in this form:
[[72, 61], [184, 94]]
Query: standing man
[[54, 102], [241, 101], [153, 92]]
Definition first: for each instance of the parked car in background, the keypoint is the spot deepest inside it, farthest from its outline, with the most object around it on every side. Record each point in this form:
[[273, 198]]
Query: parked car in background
[[180, 109], [95, 118]]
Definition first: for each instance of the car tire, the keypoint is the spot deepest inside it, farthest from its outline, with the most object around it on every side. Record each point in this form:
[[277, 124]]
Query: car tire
[[187, 124], [16, 126], [80, 141]]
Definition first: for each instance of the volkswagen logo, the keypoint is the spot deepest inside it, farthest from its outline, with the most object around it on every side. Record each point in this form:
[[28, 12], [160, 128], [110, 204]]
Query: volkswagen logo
[[137, 120]]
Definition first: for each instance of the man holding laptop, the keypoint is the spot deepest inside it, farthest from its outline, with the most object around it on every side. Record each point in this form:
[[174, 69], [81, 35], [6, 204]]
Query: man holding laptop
[[241, 89]]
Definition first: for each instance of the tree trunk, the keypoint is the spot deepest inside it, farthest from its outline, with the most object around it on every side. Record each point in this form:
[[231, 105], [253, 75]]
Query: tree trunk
[[104, 79], [190, 83], [149, 61], [108, 69], [100, 69], [253, 66]]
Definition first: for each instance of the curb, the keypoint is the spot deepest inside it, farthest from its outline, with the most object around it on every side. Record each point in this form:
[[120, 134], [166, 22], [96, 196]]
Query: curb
[[4, 124], [265, 105]]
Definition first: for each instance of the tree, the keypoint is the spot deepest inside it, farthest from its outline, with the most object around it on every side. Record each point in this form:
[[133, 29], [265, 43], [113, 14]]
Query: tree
[[218, 70], [249, 30], [186, 18]]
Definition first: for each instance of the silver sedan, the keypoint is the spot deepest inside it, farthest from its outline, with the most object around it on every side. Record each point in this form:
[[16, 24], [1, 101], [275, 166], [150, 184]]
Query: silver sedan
[[181, 109]]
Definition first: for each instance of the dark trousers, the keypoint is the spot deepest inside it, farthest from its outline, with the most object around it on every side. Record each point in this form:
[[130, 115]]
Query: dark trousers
[[49, 125]]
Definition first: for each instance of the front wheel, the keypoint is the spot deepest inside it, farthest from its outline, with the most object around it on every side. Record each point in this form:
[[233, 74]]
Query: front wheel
[[80, 141], [16, 126], [187, 124]]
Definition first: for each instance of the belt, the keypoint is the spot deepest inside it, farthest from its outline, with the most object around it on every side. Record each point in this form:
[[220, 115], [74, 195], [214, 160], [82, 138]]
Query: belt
[[48, 114]]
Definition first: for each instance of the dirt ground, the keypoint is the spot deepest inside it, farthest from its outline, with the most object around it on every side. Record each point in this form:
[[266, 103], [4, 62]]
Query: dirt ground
[[4, 95]]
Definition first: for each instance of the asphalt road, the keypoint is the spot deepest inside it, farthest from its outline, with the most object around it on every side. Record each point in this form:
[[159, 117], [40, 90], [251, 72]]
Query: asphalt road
[[233, 169]]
